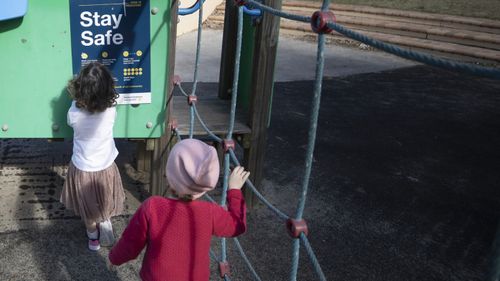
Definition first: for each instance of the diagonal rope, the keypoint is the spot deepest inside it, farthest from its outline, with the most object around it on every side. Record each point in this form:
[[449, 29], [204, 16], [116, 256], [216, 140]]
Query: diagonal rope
[[312, 257], [417, 56], [182, 90], [202, 123], [275, 210], [246, 260]]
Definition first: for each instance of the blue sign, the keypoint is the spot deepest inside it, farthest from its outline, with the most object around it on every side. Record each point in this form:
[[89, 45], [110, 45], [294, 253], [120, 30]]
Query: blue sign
[[116, 34]]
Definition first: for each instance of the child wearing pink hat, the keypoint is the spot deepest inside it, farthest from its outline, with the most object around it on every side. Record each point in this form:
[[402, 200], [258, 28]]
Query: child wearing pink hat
[[177, 230]]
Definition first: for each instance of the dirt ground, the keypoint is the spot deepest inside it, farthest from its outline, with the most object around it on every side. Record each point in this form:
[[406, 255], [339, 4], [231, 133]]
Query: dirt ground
[[478, 8]]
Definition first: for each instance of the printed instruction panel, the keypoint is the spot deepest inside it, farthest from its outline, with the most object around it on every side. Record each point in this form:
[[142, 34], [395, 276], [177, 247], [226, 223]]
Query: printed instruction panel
[[116, 34]]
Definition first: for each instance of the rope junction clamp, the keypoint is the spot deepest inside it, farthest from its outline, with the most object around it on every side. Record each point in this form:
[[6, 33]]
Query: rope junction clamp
[[320, 20], [176, 80], [296, 227], [228, 144], [224, 268], [173, 124], [192, 99]]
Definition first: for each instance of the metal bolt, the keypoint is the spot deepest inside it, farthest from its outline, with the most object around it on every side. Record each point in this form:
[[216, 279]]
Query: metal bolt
[[55, 127], [149, 125], [155, 10], [5, 127]]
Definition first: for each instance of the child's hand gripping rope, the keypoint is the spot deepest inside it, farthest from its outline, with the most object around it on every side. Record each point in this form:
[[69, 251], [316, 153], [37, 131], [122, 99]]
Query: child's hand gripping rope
[[238, 177]]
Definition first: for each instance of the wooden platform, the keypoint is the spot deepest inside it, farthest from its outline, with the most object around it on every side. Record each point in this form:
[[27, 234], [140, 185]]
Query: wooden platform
[[213, 111]]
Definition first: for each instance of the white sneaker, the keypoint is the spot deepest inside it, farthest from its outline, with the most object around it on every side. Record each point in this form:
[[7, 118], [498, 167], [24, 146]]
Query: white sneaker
[[106, 236], [94, 241]]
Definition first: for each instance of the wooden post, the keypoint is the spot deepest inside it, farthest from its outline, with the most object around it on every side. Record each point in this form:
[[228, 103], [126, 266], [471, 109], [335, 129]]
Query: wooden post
[[161, 146], [226, 73], [266, 43]]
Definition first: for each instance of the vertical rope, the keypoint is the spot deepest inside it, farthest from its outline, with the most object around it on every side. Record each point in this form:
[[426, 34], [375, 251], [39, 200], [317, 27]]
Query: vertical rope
[[313, 122], [191, 122], [196, 66], [232, 116], [223, 201], [236, 73], [198, 47], [313, 125]]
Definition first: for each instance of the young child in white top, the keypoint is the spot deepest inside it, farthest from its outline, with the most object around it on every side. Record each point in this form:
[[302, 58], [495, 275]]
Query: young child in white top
[[93, 188]]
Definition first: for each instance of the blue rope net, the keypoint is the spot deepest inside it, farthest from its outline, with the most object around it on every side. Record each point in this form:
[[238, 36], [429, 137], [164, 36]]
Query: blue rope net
[[230, 155]]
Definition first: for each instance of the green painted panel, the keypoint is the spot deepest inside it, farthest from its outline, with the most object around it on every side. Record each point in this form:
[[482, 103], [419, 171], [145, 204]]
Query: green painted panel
[[246, 63], [35, 53]]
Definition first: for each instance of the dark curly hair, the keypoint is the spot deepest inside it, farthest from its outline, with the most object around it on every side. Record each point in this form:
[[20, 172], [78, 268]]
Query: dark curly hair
[[93, 88]]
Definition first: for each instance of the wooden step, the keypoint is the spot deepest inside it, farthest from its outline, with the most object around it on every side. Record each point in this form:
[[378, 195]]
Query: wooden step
[[215, 114]]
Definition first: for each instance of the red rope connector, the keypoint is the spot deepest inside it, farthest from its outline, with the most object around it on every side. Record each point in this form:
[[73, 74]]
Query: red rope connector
[[239, 2], [223, 268], [173, 124], [228, 144], [176, 80], [319, 21], [296, 227], [192, 99]]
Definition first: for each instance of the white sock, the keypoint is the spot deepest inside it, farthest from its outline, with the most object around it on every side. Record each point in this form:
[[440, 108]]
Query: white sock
[[92, 235]]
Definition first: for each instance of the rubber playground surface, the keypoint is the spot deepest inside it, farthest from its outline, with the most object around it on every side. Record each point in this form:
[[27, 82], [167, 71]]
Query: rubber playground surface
[[404, 185]]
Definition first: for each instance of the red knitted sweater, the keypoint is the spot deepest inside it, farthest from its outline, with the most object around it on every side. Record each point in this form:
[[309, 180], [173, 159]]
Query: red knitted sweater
[[177, 236]]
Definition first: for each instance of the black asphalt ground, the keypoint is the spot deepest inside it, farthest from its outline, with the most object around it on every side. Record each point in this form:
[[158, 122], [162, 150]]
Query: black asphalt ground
[[405, 185]]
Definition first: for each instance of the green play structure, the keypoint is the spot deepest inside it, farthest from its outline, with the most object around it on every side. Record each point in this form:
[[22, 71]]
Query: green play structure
[[40, 51]]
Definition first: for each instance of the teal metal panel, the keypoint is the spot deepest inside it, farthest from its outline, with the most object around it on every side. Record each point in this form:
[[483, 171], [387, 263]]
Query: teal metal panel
[[35, 53]]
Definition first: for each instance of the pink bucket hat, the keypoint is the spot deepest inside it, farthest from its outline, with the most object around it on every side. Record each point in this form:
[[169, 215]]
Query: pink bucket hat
[[192, 168]]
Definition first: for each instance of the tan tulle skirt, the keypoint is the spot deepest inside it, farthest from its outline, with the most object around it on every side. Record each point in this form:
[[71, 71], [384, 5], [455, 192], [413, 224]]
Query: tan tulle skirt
[[95, 196]]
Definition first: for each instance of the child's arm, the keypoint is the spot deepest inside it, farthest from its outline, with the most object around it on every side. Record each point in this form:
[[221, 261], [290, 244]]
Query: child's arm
[[232, 222], [133, 238]]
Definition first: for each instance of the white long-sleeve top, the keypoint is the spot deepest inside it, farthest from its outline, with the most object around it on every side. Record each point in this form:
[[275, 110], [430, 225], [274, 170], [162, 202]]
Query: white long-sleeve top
[[93, 144]]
